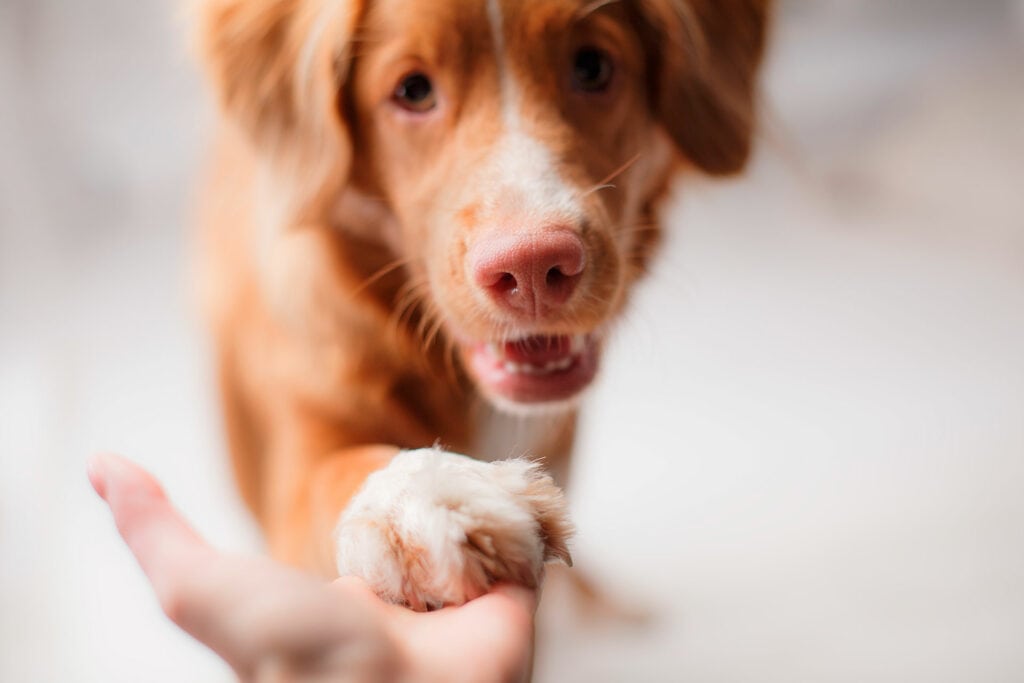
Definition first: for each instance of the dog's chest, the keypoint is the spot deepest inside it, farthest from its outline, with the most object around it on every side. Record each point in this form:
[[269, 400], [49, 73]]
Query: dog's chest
[[500, 436]]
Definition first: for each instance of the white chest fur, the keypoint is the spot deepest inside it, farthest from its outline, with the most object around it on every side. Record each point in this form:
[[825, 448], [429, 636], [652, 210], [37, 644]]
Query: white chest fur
[[542, 436]]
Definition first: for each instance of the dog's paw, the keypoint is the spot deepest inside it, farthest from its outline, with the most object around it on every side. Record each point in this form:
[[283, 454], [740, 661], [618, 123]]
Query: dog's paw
[[435, 528]]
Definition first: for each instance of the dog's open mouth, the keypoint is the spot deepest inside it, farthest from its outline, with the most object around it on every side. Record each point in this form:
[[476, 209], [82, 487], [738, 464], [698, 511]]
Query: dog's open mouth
[[535, 369]]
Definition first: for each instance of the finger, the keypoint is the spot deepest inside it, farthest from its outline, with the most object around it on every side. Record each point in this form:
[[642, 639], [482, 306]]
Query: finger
[[517, 597], [245, 609], [494, 632], [162, 542], [187, 575], [500, 626], [503, 616], [354, 587]]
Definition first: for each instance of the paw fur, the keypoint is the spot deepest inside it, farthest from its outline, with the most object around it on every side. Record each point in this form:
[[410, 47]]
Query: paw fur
[[435, 528]]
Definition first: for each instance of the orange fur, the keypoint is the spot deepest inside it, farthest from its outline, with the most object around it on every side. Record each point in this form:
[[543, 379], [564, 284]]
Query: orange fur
[[335, 230]]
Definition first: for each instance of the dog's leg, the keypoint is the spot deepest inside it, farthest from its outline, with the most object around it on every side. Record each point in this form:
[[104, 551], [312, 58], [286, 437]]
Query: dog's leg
[[243, 435], [424, 528], [304, 502]]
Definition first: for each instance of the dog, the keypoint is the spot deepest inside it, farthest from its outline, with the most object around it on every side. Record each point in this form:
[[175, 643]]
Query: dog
[[420, 221]]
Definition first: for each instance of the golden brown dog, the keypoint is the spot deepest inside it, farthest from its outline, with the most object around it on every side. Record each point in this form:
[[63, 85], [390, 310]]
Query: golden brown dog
[[421, 219]]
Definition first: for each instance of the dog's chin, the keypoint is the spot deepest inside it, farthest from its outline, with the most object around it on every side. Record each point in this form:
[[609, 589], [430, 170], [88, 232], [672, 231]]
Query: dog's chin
[[534, 374]]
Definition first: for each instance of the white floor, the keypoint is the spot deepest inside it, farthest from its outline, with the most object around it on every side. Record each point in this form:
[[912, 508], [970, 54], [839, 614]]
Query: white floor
[[806, 454]]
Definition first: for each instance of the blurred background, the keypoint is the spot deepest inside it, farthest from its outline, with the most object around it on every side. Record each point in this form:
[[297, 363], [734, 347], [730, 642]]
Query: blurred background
[[805, 458]]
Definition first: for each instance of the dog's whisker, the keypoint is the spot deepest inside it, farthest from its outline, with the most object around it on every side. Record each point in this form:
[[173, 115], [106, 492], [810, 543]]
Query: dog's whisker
[[436, 324], [381, 273], [595, 299], [605, 182], [598, 188], [450, 360], [409, 297]]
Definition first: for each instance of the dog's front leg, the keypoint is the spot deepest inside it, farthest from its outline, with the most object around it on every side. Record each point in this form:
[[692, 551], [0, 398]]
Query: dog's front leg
[[425, 528]]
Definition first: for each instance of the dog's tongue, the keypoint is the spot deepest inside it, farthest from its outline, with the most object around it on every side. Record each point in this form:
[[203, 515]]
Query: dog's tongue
[[538, 350], [538, 369]]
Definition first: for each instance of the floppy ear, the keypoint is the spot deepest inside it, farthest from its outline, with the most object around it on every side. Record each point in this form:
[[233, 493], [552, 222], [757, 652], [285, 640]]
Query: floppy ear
[[705, 67], [278, 67]]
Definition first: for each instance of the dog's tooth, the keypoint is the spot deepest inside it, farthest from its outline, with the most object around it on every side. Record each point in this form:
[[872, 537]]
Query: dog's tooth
[[558, 365], [494, 349], [576, 343], [536, 370]]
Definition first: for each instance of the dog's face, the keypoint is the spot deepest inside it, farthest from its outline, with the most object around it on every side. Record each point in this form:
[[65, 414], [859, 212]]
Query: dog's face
[[495, 131], [518, 146]]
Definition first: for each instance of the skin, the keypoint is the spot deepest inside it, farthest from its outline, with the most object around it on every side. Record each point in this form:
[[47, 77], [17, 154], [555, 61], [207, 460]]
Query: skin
[[271, 622]]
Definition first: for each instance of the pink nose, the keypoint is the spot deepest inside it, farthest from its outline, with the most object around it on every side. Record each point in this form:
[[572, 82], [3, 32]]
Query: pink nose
[[529, 274]]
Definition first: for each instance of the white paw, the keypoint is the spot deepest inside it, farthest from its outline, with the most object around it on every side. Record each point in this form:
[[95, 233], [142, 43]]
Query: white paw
[[435, 528]]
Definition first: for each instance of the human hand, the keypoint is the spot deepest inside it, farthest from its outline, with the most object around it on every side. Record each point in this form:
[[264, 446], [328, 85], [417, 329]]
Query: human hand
[[271, 622]]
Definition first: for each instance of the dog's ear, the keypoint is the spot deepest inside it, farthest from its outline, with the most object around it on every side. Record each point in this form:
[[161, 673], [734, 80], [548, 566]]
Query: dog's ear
[[278, 67], [704, 63]]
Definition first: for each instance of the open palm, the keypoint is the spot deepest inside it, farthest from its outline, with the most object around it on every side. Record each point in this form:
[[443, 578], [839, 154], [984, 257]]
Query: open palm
[[271, 622]]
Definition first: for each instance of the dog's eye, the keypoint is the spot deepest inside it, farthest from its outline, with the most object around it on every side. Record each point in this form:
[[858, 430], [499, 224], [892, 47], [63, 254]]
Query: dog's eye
[[415, 92], [591, 70]]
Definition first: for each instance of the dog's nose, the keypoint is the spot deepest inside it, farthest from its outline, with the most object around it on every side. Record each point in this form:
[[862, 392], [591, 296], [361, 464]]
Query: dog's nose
[[530, 274]]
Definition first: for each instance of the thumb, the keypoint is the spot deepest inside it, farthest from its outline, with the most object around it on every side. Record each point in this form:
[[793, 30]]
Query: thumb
[[516, 597]]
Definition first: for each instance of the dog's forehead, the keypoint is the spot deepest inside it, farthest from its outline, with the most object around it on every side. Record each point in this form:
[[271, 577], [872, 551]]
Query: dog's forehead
[[477, 21], [534, 18]]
